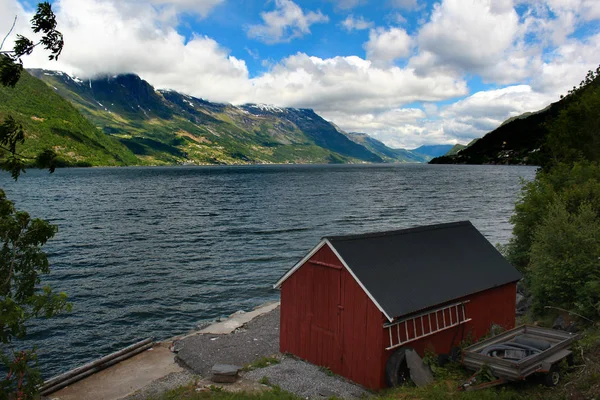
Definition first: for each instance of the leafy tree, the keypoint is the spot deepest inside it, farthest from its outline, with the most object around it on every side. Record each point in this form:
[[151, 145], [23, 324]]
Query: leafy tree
[[574, 184], [556, 223], [11, 67], [22, 261], [575, 134], [565, 264]]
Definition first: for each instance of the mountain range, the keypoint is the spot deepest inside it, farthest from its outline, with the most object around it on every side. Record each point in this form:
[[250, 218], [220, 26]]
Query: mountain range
[[160, 127], [123, 120]]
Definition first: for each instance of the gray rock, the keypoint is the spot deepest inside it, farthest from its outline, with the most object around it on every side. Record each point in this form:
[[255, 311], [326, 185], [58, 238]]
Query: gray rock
[[420, 373], [324, 392], [224, 373], [225, 369]]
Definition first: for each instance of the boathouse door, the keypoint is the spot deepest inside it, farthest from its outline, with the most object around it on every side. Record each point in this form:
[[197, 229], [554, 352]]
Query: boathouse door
[[325, 329]]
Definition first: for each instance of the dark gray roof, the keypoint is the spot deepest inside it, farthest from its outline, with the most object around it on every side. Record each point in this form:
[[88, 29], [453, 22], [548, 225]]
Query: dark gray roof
[[412, 269]]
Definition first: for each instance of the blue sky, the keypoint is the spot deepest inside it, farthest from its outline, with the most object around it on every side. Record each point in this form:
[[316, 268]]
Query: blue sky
[[408, 72], [325, 40]]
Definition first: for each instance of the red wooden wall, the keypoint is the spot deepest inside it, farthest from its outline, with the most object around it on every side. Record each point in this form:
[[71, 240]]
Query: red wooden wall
[[327, 319], [492, 306]]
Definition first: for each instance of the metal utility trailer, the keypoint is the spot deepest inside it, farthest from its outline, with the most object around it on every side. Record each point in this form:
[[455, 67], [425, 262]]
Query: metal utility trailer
[[546, 361]]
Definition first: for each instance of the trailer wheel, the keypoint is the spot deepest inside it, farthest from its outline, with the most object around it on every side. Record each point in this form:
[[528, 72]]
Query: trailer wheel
[[397, 372], [552, 378]]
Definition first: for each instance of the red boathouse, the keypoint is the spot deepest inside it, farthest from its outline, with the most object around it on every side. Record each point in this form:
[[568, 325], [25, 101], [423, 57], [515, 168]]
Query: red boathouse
[[354, 301]]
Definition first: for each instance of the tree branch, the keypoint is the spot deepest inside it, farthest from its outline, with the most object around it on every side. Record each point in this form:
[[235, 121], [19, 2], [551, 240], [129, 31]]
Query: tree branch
[[11, 29], [16, 154], [570, 312], [13, 258]]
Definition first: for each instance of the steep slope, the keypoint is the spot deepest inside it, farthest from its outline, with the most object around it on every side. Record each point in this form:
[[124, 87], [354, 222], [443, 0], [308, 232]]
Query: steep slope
[[433, 150], [168, 127], [319, 131], [518, 140], [51, 122], [455, 149], [386, 153]]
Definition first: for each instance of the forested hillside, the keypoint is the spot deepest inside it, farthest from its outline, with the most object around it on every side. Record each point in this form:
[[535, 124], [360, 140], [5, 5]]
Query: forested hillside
[[51, 122], [525, 139]]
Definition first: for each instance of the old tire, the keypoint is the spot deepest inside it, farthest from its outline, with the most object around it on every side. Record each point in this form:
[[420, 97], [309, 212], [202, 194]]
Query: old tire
[[396, 369], [552, 378]]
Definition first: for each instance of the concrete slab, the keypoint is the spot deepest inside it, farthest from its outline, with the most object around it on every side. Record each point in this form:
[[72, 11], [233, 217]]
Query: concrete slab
[[123, 378], [237, 320], [134, 374]]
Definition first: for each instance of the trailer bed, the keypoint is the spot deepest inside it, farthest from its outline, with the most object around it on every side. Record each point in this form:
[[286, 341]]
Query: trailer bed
[[513, 370]]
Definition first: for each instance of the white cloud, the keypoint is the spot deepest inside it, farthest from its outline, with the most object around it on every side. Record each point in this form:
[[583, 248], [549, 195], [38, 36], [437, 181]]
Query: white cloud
[[499, 104], [350, 84], [355, 24], [377, 122], [567, 65], [471, 39], [386, 45], [288, 21], [101, 37]]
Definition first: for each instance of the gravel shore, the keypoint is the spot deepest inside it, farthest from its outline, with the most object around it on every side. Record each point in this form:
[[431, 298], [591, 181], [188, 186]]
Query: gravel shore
[[260, 338]]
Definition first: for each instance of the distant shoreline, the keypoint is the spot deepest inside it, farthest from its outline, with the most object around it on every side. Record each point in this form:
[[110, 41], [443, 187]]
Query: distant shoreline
[[343, 165]]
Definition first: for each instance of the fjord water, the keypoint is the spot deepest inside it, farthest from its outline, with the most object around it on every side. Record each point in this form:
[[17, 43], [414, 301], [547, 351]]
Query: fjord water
[[156, 251]]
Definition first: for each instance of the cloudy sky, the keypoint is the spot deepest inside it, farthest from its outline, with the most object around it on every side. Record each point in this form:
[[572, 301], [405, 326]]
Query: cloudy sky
[[408, 72]]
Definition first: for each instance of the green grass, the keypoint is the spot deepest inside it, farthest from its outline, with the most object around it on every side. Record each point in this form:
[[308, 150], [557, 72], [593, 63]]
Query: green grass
[[261, 363], [326, 371], [189, 392], [265, 381]]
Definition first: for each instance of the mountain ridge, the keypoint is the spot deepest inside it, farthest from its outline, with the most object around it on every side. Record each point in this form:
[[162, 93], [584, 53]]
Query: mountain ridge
[[518, 140], [167, 127]]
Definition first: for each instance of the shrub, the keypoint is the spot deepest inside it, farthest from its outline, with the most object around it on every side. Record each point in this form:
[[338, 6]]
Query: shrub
[[565, 253]]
